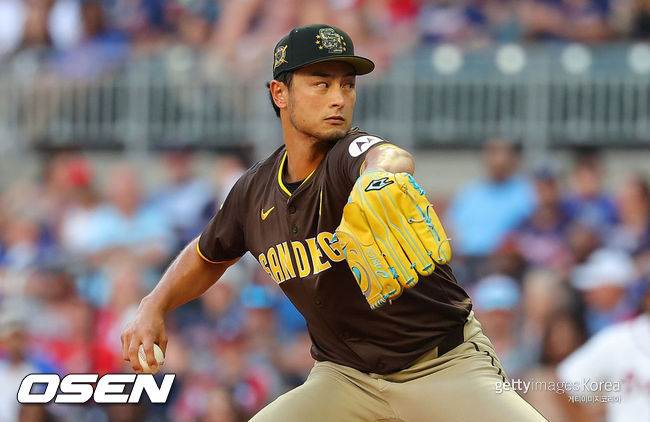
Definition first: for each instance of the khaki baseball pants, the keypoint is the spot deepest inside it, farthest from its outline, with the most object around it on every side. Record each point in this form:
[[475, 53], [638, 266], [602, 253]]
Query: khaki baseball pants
[[459, 386]]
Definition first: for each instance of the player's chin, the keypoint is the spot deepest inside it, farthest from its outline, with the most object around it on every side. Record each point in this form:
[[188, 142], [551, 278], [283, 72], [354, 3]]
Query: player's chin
[[333, 134]]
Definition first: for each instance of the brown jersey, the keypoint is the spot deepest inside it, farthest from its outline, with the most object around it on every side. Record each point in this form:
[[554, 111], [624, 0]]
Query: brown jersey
[[290, 235]]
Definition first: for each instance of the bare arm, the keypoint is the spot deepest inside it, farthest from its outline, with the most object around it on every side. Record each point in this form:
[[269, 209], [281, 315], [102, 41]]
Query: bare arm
[[390, 158], [187, 278]]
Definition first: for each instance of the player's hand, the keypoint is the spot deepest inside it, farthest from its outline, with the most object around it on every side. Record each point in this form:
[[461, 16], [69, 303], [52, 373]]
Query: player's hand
[[146, 328], [389, 234]]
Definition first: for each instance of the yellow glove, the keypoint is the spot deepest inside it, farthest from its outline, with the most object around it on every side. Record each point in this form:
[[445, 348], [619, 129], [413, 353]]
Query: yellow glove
[[389, 234]]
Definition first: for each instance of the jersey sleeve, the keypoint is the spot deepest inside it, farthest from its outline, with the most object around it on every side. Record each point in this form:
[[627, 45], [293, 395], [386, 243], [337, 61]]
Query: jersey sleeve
[[223, 237], [349, 156]]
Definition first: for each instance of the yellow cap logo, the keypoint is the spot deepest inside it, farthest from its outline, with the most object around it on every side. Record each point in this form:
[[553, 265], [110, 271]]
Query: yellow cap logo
[[280, 54]]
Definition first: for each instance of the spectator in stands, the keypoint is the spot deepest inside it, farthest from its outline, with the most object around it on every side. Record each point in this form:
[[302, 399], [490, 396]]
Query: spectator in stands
[[100, 49], [12, 14], [145, 22], [450, 21], [183, 197], [496, 301], [220, 407], [202, 400], [564, 333], [225, 172], [586, 201], [632, 18], [193, 21], [295, 362], [32, 213], [633, 230], [541, 239], [617, 355], [39, 25], [604, 281], [78, 219], [36, 33], [261, 326], [503, 22], [484, 212], [61, 328], [15, 362], [543, 295], [221, 315], [245, 31], [24, 242], [583, 240], [60, 173], [127, 225], [125, 278], [641, 20], [253, 382], [390, 26], [574, 20]]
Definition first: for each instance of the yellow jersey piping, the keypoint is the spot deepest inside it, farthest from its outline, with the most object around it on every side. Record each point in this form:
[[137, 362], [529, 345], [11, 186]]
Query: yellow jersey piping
[[203, 256], [282, 186]]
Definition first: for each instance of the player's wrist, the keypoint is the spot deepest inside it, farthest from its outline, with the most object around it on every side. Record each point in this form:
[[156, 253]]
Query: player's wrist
[[153, 304]]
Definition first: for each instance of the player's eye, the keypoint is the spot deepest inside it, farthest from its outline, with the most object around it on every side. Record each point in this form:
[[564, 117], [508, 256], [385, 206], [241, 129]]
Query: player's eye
[[349, 85], [322, 84]]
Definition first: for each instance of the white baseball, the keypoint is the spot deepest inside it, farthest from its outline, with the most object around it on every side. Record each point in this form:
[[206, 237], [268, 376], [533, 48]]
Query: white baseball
[[142, 357]]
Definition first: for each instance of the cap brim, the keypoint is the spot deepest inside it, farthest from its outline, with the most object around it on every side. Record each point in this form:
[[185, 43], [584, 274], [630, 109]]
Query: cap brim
[[361, 65]]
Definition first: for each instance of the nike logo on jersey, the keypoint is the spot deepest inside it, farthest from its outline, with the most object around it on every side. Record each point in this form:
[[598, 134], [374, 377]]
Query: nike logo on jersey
[[378, 184], [266, 214]]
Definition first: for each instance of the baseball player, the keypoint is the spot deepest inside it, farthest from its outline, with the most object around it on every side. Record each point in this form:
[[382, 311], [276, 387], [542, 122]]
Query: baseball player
[[336, 218], [613, 368]]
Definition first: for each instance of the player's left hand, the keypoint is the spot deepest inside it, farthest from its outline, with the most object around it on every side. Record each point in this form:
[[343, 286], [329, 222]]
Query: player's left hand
[[389, 234]]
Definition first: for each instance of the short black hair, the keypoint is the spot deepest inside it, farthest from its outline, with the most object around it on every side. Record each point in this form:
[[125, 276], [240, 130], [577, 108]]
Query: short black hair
[[285, 78]]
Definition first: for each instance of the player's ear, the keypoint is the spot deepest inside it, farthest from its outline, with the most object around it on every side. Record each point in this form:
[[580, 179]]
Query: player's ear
[[280, 94]]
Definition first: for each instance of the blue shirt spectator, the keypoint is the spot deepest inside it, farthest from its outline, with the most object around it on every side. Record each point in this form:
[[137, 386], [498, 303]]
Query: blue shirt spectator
[[485, 211], [146, 228], [586, 201], [185, 196], [127, 226]]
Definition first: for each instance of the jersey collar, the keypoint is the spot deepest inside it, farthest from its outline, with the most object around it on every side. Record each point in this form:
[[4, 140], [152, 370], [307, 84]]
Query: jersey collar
[[281, 169]]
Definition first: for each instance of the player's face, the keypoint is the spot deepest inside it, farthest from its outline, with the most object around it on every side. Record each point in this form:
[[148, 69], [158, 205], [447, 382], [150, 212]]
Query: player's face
[[321, 100]]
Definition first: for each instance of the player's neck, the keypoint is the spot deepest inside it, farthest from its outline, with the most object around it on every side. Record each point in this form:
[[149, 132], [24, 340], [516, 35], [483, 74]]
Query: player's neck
[[304, 154]]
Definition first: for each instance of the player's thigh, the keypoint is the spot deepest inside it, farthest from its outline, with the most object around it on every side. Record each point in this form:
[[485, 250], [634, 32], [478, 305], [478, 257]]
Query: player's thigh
[[467, 389], [326, 396]]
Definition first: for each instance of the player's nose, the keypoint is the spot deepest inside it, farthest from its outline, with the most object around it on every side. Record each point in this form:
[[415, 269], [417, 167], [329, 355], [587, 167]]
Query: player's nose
[[336, 97]]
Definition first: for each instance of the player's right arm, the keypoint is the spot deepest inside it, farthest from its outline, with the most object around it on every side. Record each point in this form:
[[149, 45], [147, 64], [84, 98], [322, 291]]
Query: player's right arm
[[187, 278], [197, 267]]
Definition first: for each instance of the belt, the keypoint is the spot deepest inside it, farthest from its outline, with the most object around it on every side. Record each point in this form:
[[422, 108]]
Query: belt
[[454, 338]]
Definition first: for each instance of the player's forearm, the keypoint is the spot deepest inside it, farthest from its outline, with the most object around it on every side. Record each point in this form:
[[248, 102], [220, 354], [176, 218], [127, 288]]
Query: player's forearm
[[187, 278], [389, 158]]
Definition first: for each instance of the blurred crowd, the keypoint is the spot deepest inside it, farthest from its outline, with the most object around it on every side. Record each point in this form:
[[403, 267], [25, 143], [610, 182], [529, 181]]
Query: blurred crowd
[[239, 34], [76, 257], [549, 256]]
